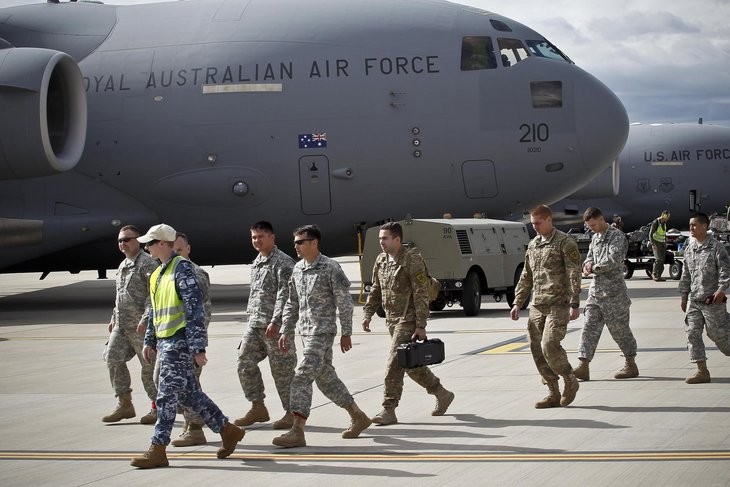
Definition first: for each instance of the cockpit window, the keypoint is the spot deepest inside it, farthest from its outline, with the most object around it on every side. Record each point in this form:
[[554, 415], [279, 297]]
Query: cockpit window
[[511, 51], [546, 94], [544, 48], [499, 25], [477, 53]]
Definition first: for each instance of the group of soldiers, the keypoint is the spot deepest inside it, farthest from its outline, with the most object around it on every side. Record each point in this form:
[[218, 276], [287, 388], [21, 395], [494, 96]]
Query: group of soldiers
[[552, 273], [165, 296]]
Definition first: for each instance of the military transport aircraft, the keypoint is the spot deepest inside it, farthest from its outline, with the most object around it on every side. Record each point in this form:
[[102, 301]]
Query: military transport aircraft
[[678, 167], [212, 114]]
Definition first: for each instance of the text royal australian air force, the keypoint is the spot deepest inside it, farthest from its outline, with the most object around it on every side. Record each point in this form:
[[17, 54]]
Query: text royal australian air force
[[262, 72]]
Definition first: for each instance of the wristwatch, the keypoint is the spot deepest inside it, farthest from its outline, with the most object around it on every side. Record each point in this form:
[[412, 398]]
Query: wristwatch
[[575, 305]]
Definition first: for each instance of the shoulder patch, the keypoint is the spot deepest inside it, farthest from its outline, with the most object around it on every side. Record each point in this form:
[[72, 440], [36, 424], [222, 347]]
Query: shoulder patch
[[421, 277], [574, 255]]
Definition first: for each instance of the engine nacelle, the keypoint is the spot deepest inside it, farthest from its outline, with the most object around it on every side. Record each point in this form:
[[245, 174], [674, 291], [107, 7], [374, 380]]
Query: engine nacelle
[[605, 185], [42, 113]]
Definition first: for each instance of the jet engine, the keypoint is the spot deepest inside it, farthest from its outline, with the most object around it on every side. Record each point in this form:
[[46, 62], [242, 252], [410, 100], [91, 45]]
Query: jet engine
[[42, 112], [605, 185]]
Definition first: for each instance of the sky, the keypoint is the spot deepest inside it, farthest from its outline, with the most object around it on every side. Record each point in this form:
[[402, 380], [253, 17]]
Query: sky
[[667, 60]]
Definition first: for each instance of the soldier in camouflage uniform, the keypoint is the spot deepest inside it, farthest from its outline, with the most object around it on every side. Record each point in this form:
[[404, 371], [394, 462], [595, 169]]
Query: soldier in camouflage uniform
[[192, 434], [127, 325], [703, 287], [608, 299], [400, 285], [318, 290], [552, 273], [176, 329], [270, 273]]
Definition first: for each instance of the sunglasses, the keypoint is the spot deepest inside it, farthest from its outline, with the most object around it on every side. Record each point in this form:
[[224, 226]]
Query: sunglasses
[[151, 243], [302, 240], [126, 239]]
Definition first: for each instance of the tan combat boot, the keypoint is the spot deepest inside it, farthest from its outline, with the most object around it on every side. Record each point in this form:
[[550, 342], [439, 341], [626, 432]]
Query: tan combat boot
[[443, 401], [124, 409], [191, 436], [230, 436], [152, 458], [295, 436], [571, 388], [552, 400], [702, 376], [151, 417], [629, 371], [257, 414], [359, 421], [286, 422], [582, 372], [385, 417]]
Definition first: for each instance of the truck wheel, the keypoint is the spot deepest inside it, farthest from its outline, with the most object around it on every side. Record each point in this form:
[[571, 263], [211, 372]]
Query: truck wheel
[[510, 294], [438, 304], [471, 295], [628, 270], [675, 270], [380, 312]]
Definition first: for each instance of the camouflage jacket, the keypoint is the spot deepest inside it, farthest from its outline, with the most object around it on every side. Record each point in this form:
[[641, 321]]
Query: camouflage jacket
[[552, 271], [317, 291], [132, 302], [606, 254], [186, 283], [400, 285], [269, 288], [706, 269]]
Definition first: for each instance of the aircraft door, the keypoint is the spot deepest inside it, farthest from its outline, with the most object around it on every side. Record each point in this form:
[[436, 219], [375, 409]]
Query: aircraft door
[[480, 179], [314, 183]]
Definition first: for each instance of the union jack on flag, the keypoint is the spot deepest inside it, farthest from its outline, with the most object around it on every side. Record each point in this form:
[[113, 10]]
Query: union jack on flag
[[313, 141]]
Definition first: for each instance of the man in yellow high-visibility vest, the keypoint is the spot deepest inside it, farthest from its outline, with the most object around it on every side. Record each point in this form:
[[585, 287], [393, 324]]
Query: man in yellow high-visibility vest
[[176, 329], [658, 239]]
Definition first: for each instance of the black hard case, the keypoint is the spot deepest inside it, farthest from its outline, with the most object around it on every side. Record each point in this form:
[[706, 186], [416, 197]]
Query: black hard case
[[418, 354]]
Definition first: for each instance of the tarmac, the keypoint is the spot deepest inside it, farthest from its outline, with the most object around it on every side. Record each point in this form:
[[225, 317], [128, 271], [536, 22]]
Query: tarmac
[[653, 430]]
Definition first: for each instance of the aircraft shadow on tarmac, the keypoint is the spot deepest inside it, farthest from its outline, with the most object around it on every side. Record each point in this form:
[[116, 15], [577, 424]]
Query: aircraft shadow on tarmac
[[473, 420], [287, 466], [660, 409], [654, 291]]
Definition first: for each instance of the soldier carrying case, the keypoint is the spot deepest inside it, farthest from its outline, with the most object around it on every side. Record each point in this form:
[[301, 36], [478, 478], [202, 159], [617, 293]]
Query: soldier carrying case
[[418, 354]]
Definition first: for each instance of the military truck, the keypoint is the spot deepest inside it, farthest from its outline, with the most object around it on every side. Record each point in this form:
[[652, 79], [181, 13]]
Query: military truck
[[470, 257]]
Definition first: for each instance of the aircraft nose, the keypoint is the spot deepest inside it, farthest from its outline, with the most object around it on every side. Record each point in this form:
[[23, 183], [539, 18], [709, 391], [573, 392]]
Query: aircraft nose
[[601, 122]]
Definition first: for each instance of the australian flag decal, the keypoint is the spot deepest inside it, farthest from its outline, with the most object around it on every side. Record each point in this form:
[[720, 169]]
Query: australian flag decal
[[312, 141]]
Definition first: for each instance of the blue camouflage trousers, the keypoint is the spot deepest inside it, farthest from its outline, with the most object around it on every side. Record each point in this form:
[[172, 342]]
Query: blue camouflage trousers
[[614, 314], [546, 328], [178, 384], [124, 344], [254, 348], [190, 416], [316, 366], [714, 319]]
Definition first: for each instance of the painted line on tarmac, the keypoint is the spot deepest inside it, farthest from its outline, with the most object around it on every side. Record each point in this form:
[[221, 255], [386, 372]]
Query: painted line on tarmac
[[520, 346], [610, 456]]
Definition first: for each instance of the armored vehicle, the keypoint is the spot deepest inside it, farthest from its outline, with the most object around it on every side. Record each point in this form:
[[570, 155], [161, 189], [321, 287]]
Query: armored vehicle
[[470, 257]]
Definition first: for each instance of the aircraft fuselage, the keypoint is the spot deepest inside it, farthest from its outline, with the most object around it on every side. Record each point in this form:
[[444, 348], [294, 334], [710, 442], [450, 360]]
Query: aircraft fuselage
[[210, 115]]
